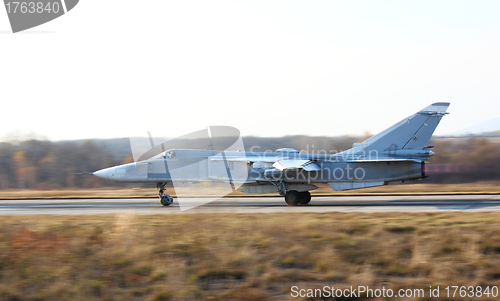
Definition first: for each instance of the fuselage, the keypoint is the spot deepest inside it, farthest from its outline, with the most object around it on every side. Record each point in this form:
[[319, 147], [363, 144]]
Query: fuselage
[[246, 167]]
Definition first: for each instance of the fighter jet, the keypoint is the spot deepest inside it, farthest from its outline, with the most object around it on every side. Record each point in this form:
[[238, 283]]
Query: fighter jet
[[396, 154]]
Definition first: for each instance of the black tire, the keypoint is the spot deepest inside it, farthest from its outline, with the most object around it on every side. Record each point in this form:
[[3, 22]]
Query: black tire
[[166, 200], [292, 198], [304, 197]]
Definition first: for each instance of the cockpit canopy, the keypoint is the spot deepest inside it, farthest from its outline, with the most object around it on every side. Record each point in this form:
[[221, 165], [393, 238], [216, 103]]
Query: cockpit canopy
[[170, 154]]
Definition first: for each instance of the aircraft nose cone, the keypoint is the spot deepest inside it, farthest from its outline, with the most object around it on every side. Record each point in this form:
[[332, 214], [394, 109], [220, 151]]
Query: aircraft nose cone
[[103, 173]]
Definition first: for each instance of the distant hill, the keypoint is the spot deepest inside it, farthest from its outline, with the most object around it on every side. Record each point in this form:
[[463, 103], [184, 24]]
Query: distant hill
[[491, 134], [490, 126]]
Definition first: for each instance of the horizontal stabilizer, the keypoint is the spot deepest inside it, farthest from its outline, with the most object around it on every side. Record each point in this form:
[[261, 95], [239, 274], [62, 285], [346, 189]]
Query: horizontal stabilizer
[[337, 186], [382, 160]]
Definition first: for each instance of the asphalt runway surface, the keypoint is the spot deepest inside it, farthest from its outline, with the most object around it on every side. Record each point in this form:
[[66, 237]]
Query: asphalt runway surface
[[407, 203]]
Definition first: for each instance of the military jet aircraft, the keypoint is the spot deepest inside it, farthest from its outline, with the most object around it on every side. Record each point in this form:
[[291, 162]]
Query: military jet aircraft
[[396, 154]]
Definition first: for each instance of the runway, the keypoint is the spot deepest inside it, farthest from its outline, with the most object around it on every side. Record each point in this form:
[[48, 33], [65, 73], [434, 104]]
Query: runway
[[409, 203]]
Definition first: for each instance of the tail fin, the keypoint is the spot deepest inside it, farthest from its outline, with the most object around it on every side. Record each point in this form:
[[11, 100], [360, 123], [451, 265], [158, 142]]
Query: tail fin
[[413, 132]]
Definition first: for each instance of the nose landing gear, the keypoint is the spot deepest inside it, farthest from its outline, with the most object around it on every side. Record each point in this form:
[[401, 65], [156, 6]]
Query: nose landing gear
[[165, 199]]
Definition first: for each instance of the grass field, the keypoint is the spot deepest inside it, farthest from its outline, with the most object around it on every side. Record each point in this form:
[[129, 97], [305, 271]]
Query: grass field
[[242, 256], [492, 187]]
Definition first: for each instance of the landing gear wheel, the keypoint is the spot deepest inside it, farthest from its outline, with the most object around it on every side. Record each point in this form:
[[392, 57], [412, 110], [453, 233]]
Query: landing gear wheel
[[304, 197], [292, 198], [166, 200]]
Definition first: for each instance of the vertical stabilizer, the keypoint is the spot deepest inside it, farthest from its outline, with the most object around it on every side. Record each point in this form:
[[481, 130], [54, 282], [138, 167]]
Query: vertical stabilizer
[[412, 132]]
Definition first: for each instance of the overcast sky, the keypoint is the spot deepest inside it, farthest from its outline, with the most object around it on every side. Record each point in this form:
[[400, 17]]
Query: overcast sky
[[119, 68]]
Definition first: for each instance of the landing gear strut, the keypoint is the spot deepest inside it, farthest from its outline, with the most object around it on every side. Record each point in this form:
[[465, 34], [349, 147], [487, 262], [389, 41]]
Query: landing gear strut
[[293, 197], [165, 199]]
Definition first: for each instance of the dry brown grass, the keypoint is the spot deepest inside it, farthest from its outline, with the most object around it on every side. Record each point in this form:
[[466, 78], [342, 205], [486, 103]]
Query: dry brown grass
[[394, 188], [241, 256]]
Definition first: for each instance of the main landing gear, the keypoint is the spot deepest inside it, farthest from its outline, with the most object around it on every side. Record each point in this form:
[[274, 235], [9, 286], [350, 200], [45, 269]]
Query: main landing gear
[[293, 197], [165, 199]]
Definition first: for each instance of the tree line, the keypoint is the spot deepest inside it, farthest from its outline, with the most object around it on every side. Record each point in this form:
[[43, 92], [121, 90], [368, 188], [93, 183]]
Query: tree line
[[41, 164]]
